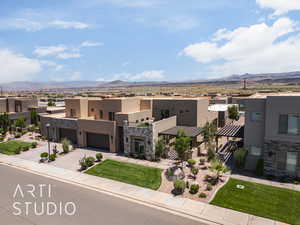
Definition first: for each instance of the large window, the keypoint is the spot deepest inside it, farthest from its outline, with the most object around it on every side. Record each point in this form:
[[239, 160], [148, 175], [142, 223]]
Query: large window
[[101, 114], [289, 124], [255, 116], [111, 116], [291, 162], [255, 151]]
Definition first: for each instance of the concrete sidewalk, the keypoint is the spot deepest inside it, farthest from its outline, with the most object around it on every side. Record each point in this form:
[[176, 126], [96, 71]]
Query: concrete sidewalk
[[193, 209]]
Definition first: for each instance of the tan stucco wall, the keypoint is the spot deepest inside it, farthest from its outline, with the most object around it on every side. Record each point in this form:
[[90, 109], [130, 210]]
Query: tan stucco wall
[[106, 105], [189, 112], [3, 105], [146, 104], [79, 104], [162, 125]]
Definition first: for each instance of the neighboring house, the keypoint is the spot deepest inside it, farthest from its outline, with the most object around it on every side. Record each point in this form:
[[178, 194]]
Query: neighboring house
[[17, 107], [130, 125], [272, 133]]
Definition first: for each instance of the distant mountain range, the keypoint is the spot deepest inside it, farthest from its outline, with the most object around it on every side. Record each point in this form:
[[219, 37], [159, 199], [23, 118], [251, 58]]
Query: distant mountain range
[[266, 77]]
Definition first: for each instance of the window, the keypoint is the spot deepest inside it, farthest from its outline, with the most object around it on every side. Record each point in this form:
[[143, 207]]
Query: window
[[139, 146], [289, 124], [72, 112], [92, 109], [255, 116], [111, 116], [101, 114], [147, 118], [291, 162], [255, 151]]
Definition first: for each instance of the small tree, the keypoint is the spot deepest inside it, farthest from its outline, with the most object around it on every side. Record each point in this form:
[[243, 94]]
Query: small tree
[[4, 122], [34, 117], [20, 122], [194, 171], [65, 145], [211, 151], [160, 149], [233, 112], [179, 187], [182, 145], [208, 132]]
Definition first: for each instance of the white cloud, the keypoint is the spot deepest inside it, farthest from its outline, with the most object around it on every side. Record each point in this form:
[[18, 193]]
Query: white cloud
[[151, 75], [36, 25], [49, 50], [179, 23], [255, 49], [56, 67], [90, 44], [63, 51], [16, 67], [62, 24], [75, 76], [132, 3], [280, 6], [68, 55]]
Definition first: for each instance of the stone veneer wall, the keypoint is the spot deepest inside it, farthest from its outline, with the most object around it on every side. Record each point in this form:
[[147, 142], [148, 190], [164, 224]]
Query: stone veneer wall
[[275, 153], [139, 132]]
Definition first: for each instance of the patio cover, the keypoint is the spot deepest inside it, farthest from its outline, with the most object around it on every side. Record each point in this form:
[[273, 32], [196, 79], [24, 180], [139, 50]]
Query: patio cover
[[231, 131], [189, 131]]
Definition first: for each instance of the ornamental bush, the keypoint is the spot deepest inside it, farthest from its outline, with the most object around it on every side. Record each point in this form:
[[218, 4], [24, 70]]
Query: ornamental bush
[[52, 157], [191, 162], [202, 195], [34, 144], [194, 188], [89, 161], [179, 186], [99, 156], [66, 145]]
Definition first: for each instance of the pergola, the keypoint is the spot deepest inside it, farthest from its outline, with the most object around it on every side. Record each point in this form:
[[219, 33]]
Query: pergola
[[230, 131]]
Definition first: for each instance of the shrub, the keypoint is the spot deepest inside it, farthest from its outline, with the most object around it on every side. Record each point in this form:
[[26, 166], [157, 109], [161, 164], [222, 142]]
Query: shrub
[[194, 171], [202, 161], [99, 156], [240, 157], [194, 188], [191, 162], [52, 157], [34, 144], [83, 164], [65, 145], [170, 172], [208, 187], [89, 161], [259, 171], [179, 186], [1, 138], [25, 148], [44, 155], [17, 135], [18, 150], [202, 195], [297, 182]]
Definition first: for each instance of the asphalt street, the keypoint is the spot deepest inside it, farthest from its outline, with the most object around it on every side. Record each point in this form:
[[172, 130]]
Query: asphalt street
[[27, 199]]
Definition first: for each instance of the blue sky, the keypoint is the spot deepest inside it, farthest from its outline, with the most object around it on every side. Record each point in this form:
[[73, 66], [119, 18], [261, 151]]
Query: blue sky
[[141, 40]]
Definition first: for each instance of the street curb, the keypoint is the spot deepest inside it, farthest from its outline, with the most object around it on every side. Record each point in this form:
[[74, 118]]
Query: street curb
[[123, 196]]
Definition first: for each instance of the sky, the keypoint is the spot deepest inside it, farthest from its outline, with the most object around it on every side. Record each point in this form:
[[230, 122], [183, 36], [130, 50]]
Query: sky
[[146, 40]]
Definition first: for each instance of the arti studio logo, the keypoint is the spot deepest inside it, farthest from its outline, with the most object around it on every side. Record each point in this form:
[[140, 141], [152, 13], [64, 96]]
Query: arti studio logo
[[41, 203]]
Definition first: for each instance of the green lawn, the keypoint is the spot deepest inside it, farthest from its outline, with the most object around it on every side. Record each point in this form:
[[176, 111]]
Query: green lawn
[[260, 200], [130, 173], [10, 147]]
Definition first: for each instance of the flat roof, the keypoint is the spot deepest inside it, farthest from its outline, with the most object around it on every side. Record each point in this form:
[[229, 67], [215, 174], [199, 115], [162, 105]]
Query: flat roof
[[219, 107], [189, 131]]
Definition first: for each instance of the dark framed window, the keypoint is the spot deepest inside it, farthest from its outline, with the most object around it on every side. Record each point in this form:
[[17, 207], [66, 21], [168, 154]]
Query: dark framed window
[[101, 114], [111, 116], [288, 124]]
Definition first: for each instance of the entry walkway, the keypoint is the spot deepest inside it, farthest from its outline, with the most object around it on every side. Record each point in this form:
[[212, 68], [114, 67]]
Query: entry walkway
[[193, 209]]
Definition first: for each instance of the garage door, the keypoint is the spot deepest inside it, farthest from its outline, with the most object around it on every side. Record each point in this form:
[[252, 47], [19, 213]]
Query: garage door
[[100, 141], [69, 134]]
